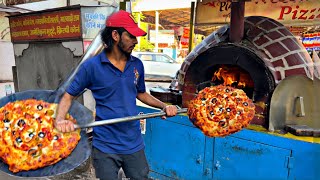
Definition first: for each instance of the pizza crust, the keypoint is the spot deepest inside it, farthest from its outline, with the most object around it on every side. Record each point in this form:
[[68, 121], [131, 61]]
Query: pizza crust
[[221, 110]]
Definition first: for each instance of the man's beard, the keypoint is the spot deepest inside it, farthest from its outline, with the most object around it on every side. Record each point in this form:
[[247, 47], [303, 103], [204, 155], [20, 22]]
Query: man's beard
[[120, 47]]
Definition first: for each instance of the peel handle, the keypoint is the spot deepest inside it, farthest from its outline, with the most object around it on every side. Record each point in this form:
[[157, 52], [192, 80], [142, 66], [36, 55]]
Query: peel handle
[[125, 119]]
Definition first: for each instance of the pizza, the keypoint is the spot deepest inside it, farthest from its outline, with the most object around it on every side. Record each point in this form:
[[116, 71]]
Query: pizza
[[221, 110], [28, 139]]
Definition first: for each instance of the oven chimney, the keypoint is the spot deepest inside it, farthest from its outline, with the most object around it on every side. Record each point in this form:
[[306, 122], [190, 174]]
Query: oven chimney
[[237, 21]]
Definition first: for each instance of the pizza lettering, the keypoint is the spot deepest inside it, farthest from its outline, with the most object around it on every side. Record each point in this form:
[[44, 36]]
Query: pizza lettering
[[221, 110], [28, 138]]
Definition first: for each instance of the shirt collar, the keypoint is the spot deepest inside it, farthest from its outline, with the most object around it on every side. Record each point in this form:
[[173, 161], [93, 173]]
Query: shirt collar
[[103, 57]]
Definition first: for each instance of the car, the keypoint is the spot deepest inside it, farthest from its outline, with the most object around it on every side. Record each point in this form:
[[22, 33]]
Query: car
[[158, 64]]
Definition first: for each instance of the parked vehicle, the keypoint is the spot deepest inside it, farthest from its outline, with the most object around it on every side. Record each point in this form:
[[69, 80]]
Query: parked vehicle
[[158, 64]]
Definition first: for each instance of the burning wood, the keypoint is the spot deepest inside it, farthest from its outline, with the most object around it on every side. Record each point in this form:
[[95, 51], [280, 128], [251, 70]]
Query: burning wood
[[233, 76]]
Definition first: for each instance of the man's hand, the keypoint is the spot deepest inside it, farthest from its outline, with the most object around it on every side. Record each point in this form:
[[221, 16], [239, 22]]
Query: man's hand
[[64, 125], [170, 111]]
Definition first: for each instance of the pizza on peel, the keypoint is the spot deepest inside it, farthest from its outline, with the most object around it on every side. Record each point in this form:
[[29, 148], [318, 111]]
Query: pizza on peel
[[221, 110], [28, 139]]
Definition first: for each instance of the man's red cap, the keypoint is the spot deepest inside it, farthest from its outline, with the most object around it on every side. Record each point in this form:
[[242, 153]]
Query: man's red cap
[[125, 20]]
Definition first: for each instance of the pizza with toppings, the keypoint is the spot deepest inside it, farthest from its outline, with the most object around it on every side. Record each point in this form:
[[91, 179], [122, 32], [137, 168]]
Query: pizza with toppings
[[221, 110], [28, 139]]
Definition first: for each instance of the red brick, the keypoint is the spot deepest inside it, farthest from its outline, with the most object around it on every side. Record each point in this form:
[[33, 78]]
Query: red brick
[[261, 40], [277, 23], [294, 59], [285, 32], [188, 88], [254, 32], [186, 97], [259, 109], [267, 25], [254, 19], [259, 120], [296, 71], [278, 63], [276, 75], [276, 49], [291, 44], [274, 35]]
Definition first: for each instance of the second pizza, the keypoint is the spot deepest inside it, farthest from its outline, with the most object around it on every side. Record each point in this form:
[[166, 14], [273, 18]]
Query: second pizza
[[221, 110]]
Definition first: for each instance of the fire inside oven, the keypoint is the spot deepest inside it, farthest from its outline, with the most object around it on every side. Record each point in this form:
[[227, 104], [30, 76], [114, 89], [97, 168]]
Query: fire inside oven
[[230, 75]]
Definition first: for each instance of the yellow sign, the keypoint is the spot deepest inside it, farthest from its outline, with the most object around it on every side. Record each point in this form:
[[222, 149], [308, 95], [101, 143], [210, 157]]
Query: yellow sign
[[287, 12]]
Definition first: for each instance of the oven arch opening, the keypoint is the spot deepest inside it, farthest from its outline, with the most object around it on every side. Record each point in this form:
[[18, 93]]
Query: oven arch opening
[[203, 67]]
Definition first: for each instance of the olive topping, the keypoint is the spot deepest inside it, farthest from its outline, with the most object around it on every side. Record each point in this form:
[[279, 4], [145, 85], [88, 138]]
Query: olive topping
[[227, 90], [222, 123], [6, 121], [55, 137], [21, 123], [211, 113], [245, 104], [32, 152], [41, 134], [18, 140], [221, 109], [13, 132], [214, 100], [203, 99], [239, 113], [39, 107], [31, 134], [7, 128], [228, 110], [39, 119], [39, 145]]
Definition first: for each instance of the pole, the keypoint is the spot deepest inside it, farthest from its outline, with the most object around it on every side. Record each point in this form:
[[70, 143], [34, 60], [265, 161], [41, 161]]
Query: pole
[[237, 21], [157, 31], [123, 5], [192, 19], [139, 23]]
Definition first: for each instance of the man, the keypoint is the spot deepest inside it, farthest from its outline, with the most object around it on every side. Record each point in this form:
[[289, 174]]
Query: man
[[116, 79]]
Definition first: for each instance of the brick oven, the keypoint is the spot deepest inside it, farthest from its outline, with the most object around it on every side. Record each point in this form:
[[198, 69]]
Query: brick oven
[[267, 54]]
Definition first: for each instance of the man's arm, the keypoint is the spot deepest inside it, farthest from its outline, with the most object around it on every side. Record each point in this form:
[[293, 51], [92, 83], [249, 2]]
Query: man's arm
[[60, 122], [150, 100]]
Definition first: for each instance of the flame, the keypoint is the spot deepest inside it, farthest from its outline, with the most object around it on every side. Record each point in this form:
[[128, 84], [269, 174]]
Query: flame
[[233, 76]]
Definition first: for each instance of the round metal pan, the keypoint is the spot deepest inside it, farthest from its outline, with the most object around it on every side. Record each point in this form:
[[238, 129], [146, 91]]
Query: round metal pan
[[80, 154]]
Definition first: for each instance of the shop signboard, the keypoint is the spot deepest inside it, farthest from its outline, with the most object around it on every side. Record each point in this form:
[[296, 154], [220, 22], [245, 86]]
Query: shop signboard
[[311, 41], [184, 40], [287, 12], [16, 2], [46, 25], [93, 20]]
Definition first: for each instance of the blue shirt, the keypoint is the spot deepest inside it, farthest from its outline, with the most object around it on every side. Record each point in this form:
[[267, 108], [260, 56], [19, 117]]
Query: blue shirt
[[115, 94]]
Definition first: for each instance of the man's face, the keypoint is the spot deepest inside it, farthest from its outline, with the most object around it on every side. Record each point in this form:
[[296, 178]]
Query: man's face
[[127, 43]]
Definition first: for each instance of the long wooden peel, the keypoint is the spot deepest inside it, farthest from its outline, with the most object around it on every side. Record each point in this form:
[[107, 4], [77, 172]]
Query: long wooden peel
[[125, 119]]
